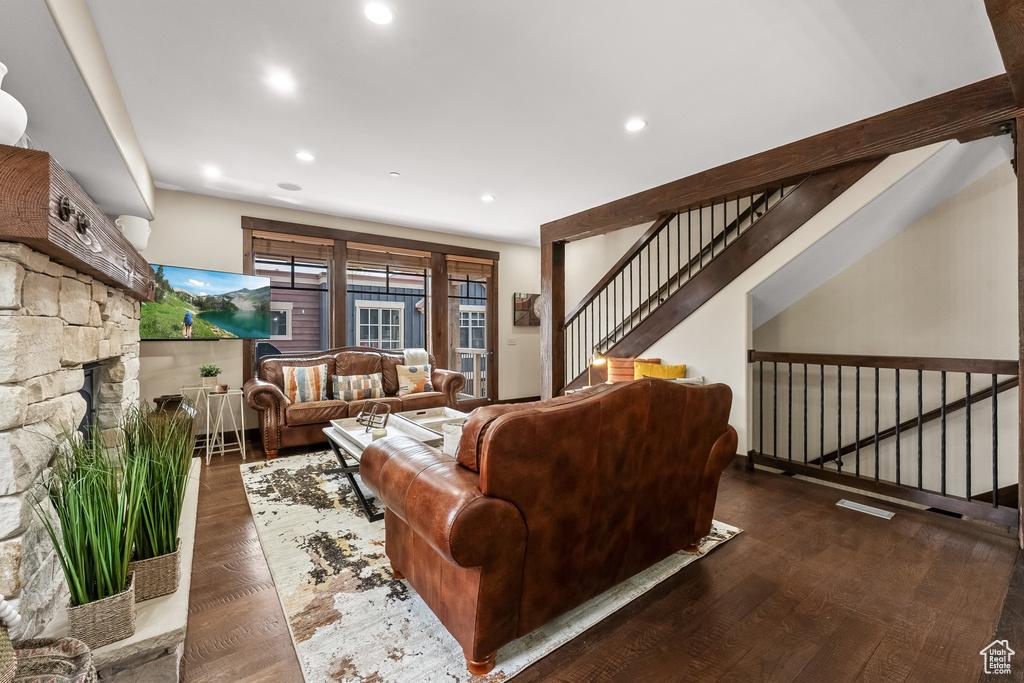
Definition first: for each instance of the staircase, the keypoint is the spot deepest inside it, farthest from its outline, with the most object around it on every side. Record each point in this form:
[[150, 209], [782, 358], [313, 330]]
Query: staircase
[[684, 259]]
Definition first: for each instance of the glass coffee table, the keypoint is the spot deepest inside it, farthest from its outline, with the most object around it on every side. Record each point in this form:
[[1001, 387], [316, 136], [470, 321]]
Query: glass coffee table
[[348, 440]]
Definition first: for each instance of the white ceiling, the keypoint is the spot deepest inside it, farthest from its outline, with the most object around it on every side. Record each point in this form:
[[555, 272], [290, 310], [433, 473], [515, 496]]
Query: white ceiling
[[521, 99]]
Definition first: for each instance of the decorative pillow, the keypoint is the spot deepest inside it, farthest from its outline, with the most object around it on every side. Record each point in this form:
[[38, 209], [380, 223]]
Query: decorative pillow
[[356, 387], [413, 379], [302, 385], [621, 369], [660, 371]]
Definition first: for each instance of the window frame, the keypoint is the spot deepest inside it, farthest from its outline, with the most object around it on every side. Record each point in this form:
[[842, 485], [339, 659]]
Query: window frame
[[282, 307], [369, 304]]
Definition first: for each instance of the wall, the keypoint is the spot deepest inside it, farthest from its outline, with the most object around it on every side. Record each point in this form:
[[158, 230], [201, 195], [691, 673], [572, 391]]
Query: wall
[[945, 287], [714, 340], [205, 232], [588, 260]]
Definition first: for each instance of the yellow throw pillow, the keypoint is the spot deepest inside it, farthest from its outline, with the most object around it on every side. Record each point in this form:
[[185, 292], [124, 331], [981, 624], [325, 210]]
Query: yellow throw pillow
[[413, 379], [659, 371]]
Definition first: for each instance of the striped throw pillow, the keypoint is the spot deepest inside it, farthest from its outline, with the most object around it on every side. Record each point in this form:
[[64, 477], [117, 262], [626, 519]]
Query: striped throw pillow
[[302, 385], [623, 369], [356, 387], [413, 379]]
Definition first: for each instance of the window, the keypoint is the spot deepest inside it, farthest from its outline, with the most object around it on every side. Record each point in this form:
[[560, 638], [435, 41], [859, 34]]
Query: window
[[472, 327], [380, 324], [281, 320]]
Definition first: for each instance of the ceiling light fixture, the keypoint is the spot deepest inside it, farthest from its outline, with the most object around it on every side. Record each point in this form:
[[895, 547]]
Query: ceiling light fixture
[[280, 80], [488, 198], [211, 171], [304, 156], [394, 174], [291, 187], [635, 125], [379, 13]]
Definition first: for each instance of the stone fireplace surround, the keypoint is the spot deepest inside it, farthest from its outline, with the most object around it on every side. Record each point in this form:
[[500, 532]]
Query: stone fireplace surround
[[53, 320]]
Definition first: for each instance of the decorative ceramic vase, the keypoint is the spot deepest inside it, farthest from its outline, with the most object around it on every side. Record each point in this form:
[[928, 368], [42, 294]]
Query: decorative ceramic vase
[[13, 117], [136, 229]]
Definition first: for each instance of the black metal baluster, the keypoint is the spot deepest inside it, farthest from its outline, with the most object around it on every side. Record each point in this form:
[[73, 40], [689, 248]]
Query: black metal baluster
[[821, 439], [839, 417], [649, 250], [967, 411], [689, 245], [876, 424], [806, 401], [700, 244], [897, 435], [712, 230], [942, 434], [657, 279], [775, 410], [995, 444], [920, 432], [631, 310], [856, 436], [615, 313], [679, 252], [789, 411], [760, 406]]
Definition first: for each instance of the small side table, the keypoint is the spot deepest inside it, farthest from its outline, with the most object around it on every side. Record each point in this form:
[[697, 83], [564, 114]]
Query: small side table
[[213, 404]]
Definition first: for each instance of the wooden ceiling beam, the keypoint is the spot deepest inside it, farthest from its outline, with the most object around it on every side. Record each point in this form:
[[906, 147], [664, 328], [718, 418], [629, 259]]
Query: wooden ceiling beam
[[935, 119], [1007, 19]]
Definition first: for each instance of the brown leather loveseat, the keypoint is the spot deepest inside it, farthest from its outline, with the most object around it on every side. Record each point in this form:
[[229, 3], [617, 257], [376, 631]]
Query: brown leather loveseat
[[284, 424], [549, 504]]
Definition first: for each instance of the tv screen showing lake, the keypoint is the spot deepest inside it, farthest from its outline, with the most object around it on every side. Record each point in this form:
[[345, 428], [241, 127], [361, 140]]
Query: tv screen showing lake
[[205, 304]]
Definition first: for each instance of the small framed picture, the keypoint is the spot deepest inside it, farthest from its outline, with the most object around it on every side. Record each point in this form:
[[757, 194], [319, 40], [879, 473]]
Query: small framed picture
[[525, 310]]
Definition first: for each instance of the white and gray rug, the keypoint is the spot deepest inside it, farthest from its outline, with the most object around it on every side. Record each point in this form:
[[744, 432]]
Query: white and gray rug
[[350, 619]]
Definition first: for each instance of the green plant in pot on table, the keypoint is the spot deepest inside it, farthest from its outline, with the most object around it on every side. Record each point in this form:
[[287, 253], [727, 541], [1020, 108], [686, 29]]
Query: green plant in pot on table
[[160, 447], [209, 373], [96, 497]]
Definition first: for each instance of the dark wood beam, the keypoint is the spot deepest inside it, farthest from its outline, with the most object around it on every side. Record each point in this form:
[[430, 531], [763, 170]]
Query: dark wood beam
[[439, 310], [287, 228], [935, 119], [552, 335], [1007, 19], [248, 345], [339, 294]]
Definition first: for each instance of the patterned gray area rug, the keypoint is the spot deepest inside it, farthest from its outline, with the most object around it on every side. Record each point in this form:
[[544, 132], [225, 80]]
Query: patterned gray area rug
[[350, 619]]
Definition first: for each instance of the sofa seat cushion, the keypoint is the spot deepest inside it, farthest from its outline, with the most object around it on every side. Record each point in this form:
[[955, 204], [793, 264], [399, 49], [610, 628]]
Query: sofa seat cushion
[[315, 412], [393, 402], [424, 399]]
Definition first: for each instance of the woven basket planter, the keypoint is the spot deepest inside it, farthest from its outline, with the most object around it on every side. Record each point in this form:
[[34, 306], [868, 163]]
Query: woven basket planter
[[7, 661], [104, 621], [158, 575]]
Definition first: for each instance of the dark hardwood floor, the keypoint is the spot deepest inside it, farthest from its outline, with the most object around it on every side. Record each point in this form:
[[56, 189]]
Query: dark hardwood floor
[[809, 592]]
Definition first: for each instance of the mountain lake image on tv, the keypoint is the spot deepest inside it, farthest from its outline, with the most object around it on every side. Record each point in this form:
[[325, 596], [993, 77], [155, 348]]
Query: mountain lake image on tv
[[206, 304]]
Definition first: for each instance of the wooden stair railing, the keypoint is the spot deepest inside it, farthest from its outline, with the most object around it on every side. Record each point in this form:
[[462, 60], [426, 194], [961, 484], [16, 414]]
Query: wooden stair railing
[[662, 280]]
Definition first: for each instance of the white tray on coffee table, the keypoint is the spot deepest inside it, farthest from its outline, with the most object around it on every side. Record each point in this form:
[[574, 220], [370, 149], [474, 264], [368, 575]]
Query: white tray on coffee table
[[355, 437], [432, 418]]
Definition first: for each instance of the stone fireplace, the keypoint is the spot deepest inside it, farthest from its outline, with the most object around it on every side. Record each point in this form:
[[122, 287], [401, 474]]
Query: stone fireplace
[[53, 321]]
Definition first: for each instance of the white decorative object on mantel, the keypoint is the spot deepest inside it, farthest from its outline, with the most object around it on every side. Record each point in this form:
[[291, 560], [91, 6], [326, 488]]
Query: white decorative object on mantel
[[136, 229], [13, 117]]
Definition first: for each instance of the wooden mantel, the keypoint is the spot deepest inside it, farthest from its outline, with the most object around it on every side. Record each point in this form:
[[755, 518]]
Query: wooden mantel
[[42, 207]]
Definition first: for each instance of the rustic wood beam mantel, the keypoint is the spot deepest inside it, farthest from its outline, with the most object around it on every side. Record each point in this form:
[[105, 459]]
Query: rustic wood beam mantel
[[42, 207], [1007, 19], [939, 118]]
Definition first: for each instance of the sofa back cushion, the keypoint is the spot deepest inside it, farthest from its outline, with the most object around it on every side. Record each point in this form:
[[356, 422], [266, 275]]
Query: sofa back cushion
[[271, 368], [608, 484], [357, 387], [305, 384], [357, 361]]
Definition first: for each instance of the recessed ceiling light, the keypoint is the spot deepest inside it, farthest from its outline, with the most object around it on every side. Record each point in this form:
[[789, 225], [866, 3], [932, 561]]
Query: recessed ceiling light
[[379, 13], [635, 124], [280, 80], [211, 171], [304, 156], [291, 187], [488, 198], [394, 174]]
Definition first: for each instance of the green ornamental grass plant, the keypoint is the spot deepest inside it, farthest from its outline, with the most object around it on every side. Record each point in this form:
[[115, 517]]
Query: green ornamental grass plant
[[159, 447], [97, 498]]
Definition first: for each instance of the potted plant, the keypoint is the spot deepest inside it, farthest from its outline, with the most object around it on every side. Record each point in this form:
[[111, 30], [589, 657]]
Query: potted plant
[[160, 445], [95, 497], [209, 373]]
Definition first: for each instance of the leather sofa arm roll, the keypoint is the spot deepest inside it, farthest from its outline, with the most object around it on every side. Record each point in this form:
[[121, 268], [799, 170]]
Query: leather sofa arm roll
[[449, 383], [262, 395], [441, 501], [722, 453]]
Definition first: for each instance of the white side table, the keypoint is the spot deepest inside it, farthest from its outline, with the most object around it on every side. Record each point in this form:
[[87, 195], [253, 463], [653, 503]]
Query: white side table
[[214, 405]]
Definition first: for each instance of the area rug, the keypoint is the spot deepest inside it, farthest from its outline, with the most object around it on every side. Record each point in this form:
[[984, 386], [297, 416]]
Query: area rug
[[350, 619]]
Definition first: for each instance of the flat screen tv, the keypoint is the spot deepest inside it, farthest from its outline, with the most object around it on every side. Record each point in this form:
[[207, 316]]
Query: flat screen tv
[[206, 304]]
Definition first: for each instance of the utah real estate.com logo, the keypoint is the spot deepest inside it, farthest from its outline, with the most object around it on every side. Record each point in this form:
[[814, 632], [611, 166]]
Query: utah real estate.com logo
[[997, 657]]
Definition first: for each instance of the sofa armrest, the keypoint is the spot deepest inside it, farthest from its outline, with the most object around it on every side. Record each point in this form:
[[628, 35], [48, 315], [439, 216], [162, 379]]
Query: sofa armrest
[[263, 395], [449, 383], [441, 501], [722, 453]]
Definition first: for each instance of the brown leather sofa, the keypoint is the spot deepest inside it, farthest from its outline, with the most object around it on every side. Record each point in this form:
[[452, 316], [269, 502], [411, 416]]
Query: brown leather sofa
[[549, 504], [284, 424]]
